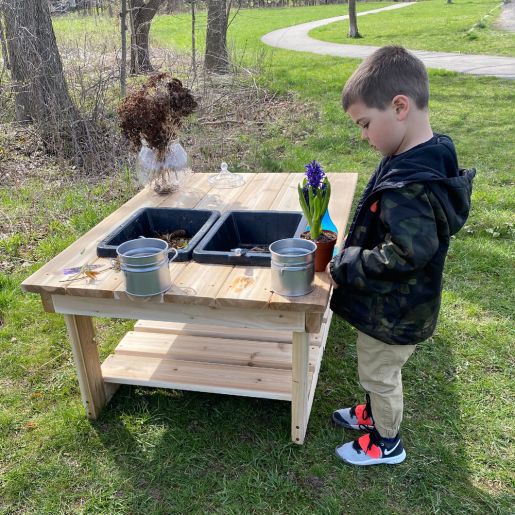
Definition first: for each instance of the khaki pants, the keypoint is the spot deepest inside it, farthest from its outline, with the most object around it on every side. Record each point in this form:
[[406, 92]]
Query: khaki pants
[[379, 369]]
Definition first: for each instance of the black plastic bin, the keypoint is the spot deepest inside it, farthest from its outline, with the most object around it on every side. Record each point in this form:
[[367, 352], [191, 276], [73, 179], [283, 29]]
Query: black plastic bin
[[243, 237], [151, 222]]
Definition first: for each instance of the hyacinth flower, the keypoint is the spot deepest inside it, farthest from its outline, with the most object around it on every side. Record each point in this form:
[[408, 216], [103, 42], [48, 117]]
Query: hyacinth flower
[[314, 195]]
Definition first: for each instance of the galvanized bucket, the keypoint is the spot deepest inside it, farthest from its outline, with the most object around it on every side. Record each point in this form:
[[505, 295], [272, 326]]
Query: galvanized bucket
[[145, 265], [293, 266]]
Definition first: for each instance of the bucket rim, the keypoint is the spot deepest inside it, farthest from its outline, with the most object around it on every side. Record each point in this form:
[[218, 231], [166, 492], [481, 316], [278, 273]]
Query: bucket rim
[[160, 244], [300, 241]]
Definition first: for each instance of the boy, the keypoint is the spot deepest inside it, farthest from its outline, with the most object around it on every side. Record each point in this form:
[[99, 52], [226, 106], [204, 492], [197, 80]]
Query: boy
[[388, 276]]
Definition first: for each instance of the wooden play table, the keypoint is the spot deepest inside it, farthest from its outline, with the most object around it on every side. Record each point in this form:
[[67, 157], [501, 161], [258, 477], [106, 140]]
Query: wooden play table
[[218, 329]]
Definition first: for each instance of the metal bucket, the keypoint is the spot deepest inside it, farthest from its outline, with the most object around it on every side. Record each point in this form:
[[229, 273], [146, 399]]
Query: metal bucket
[[293, 266], [145, 265]]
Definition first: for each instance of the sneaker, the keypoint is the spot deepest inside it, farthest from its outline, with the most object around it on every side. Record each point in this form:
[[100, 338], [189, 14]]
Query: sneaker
[[372, 449], [359, 417]]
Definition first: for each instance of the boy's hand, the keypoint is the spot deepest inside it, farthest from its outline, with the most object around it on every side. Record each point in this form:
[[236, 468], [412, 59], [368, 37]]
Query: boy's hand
[[328, 272]]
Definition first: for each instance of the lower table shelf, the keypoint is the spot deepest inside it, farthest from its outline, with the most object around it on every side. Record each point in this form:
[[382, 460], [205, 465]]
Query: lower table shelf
[[196, 358]]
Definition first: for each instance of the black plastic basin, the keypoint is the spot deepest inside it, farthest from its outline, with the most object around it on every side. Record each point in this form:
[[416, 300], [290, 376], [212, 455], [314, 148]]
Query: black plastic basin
[[153, 222], [243, 237]]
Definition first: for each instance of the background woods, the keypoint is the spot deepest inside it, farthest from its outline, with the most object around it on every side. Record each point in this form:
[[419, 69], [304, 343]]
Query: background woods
[[39, 86]]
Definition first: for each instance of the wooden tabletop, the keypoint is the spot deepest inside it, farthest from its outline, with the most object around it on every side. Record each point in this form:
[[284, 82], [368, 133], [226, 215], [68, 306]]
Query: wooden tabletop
[[195, 283]]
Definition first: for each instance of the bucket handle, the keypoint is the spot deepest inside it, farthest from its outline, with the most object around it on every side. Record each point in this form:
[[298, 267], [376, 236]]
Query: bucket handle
[[292, 269], [170, 259]]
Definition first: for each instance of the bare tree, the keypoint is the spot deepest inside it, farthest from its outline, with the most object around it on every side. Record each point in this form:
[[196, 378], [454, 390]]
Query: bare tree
[[5, 53], [141, 13], [38, 82], [123, 33], [217, 59], [353, 20], [193, 42]]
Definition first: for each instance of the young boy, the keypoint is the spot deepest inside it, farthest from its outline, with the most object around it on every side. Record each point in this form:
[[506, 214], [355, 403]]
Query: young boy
[[388, 276]]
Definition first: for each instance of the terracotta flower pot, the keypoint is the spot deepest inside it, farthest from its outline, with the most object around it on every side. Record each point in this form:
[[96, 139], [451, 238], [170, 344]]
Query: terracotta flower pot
[[324, 251]]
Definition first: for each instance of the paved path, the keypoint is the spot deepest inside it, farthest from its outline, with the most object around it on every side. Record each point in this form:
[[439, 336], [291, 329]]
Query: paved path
[[506, 20], [296, 38]]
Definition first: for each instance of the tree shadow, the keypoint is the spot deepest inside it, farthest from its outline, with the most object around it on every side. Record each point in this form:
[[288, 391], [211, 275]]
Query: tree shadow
[[181, 452]]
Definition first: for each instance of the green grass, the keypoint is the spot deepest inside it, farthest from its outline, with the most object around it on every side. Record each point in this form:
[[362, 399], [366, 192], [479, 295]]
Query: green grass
[[157, 451], [464, 26]]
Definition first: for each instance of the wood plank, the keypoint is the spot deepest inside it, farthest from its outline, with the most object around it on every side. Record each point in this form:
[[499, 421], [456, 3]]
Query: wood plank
[[191, 194], [246, 287], [210, 350], [318, 360], [236, 333], [260, 193], [84, 348], [102, 286], [239, 333], [288, 197], [46, 300], [246, 381], [222, 199], [300, 384], [198, 284], [317, 299], [153, 308]]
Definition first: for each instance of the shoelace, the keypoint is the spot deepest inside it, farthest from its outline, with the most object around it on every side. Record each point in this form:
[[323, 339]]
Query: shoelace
[[374, 439], [367, 413]]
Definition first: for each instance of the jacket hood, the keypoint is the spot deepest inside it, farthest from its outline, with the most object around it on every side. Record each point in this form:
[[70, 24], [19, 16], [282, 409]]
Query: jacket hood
[[434, 163]]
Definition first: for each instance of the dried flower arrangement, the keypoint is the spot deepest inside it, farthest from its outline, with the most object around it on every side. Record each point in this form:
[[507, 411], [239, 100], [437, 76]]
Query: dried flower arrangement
[[152, 117]]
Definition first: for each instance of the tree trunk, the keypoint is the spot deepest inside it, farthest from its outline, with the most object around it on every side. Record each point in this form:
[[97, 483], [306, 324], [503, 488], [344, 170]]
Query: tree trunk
[[5, 53], [353, 20], [193, 42], [142, 14], [38, 83], [216, 59], [123, 33]]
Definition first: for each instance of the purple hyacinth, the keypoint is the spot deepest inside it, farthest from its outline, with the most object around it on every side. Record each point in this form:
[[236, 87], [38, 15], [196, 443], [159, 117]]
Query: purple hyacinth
[[314, 174]]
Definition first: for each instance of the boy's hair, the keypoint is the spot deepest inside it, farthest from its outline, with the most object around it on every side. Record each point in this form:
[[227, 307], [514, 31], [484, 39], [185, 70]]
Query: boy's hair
[[388, 72]]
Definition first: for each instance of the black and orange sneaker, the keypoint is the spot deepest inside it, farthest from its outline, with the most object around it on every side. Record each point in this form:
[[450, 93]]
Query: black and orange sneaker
[[358, 417], [372, 449]]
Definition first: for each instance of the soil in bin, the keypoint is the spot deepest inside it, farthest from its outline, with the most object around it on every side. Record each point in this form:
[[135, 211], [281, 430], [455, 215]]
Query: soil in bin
[[251, 247], [177, 239]]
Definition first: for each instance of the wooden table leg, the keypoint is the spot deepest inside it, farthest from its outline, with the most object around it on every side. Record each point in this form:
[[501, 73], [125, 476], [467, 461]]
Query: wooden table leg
[[85, 354], [300, 385]]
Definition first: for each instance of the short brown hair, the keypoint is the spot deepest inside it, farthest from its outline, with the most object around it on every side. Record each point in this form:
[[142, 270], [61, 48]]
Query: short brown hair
[[389, 71]]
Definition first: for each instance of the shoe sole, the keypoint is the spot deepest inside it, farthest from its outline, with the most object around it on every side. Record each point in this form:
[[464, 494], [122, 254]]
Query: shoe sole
[[393, 460], [338, 423]]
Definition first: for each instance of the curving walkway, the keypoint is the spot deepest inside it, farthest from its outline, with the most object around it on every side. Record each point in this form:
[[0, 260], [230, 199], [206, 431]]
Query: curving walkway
[[296, 38]]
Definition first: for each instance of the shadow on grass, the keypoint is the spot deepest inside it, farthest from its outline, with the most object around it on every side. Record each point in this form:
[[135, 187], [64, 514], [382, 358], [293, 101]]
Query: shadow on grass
[[184, 452]]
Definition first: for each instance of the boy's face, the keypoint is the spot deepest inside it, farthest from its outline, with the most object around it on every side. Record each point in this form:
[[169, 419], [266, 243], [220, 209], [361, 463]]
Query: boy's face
[[383, 129]]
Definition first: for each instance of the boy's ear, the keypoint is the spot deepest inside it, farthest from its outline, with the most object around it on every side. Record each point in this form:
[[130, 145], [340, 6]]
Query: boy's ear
[[401, 106]]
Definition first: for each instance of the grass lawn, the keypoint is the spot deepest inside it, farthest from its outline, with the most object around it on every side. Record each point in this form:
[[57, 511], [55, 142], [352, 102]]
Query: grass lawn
[[157, 451], [466, 26]]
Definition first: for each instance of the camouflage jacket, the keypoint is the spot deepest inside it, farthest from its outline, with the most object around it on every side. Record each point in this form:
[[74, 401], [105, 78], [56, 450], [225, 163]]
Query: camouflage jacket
[[390, 269]]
